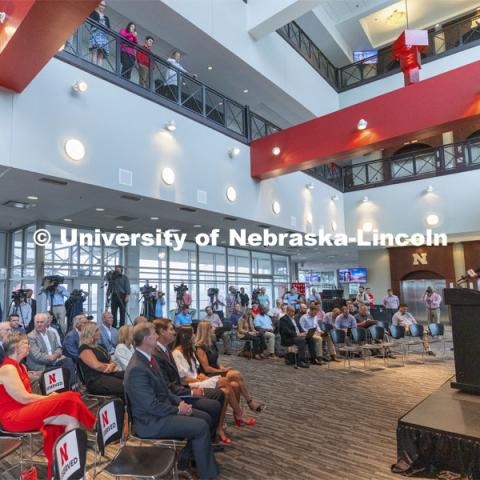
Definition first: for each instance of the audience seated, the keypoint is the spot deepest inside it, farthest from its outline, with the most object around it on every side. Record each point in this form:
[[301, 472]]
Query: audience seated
[[5, 331], [263, 324], [44, 349], [51, 328], [157, 413], [345, 321], [236, 315], [183, 318], [308, 321], [15, 325], [219, 331], [246, 331], [140, 319], [24, 411], [100, 374], [207, 355], [188, 366], [255, 309], [72, 338], [363, 317], [124, 349], [108, 333], [209, 400], [291, 335], [405, 319], [330, 317], [352, 307]]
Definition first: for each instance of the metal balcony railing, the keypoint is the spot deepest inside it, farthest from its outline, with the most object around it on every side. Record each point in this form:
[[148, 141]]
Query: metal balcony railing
[[162, 82], [451, 38]]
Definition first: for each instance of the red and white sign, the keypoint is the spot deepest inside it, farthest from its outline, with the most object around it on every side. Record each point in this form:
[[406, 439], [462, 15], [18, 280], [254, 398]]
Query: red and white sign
[[54, 381], [108, 421], [300, 286], [67, 456]]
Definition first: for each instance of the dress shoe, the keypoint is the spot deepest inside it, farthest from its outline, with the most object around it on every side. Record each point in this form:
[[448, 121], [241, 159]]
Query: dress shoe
[[432, 354], [326, 359], [316, 361], [303, 365]]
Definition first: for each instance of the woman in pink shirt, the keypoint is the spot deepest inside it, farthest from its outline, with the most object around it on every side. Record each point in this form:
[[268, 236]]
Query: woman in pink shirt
[[127, 52]]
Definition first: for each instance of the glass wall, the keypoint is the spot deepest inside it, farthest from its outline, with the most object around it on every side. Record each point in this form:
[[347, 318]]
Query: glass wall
[[200, 268]]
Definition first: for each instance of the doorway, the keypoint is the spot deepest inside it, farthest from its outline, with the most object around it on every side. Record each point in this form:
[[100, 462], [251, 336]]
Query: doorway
[[412, 294]]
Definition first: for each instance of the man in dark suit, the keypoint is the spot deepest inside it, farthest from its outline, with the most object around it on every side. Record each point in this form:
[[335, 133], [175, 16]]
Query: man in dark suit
[[72, 338], [157, 413], [291, 335], [209, 400]]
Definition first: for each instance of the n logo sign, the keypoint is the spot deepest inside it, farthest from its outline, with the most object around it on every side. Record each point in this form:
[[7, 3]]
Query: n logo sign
[[108, 421], [67, 458], [105, 421], [52, 378], [54, 381], [420, 258], [63, 453]]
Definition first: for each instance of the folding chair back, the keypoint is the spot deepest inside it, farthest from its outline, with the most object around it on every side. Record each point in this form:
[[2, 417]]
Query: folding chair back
[[436, 329], [416, 330], [397, 331], [338, 336], [359, 335], [55, 379], [377, 333], [110, 421], [325, 327], [70, 455]]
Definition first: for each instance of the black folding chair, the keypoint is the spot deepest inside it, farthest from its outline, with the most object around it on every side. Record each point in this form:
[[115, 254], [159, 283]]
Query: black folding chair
[[70, 455], [55, 379]]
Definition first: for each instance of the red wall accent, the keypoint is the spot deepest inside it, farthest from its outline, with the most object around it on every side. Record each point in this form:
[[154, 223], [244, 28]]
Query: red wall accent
[[33, 33], [421, 110]]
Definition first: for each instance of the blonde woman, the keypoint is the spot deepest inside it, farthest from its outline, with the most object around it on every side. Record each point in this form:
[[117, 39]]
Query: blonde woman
[[100, 374], [124, 349], [207, 355]]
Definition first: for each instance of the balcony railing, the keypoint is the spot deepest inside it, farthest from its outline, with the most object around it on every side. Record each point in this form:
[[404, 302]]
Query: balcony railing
[[451, 38], [161, 82], [443, 160]]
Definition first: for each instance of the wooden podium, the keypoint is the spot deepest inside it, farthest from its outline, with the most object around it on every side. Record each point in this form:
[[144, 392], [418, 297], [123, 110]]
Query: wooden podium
[[465, 315]]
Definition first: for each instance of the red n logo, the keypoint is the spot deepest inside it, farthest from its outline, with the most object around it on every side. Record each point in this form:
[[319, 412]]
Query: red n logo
[[105, 421], [51, 378], [63, 454]]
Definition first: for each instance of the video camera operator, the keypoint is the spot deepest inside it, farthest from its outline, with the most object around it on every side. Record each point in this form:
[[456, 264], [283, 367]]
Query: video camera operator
[[74, 305], [232, 298], [119, 291], [153, 301], [55, 295], [216, 302], [183, 296]]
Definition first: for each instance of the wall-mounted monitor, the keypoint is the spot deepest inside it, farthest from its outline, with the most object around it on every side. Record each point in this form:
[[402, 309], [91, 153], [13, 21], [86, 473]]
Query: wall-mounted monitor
[[369, 56], [352, 275]]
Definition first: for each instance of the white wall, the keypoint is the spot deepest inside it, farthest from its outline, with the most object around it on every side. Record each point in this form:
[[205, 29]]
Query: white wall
[[122, 130], [377, 264], [394, 82], [403, 207]]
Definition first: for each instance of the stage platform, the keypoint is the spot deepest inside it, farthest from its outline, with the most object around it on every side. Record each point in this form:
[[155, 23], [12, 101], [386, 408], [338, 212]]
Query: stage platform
[[442, 432]]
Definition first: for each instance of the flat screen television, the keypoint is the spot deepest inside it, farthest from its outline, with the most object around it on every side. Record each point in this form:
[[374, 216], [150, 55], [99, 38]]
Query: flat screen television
[[369, 56], [352, 275]]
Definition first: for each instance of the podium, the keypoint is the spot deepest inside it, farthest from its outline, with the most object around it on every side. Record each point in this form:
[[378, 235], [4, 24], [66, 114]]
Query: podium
[[465, 315]]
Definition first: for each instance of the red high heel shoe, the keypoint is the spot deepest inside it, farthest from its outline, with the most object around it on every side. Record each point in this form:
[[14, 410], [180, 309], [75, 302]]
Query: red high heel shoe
[[224, 440], [239, 421]]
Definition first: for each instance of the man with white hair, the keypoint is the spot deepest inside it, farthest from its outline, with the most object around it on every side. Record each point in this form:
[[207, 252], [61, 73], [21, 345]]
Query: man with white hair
[[72, 338]]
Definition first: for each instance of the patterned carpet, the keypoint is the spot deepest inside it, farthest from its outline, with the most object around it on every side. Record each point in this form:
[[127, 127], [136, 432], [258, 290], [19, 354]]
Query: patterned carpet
[[322, 424]]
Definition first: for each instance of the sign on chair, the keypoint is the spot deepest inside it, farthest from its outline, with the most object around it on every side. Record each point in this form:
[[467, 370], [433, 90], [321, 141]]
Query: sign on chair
[[108, 421], [67, 456], [54, 381]]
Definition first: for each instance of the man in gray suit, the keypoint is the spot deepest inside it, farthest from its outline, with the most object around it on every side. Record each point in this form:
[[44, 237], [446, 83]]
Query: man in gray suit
[[157, 413], [45, 351], [108, 333]]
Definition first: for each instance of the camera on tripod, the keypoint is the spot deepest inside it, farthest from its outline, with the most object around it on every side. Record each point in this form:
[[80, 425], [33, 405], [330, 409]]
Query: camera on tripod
[[77, 294], [51, 282], [180, 290], [212, 291], [255, 294], [111, 275], [19, 295], [148, 291]]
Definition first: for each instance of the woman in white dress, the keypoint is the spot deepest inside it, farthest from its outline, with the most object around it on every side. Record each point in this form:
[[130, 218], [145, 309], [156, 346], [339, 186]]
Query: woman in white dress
[[124, 349]]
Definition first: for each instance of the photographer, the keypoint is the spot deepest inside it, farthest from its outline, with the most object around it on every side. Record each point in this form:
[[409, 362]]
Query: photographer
[[233, 297], [216, 302], [55, 294], [183, 297], [159, 303], [74, 306], [119, 290]]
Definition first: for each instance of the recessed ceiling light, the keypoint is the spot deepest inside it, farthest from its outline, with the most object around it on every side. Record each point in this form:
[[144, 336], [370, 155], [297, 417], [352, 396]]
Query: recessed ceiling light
[[234, 152], [309, 186], [153, 218], [119, 226], [365, 199], [197, 226], [276, 207], [32, 197], [367, 227], [170, 126], [334, 198], [362, 124], [429, 189], [231, 194], [100, 209], [276, 151], [74, 149], [80, 86], [245, 90], [210, 68], [168, 176], [67, 220], [432, 220]]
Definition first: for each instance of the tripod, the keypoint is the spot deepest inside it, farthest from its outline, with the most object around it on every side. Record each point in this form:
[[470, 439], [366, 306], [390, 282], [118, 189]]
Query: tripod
[[148, 308], [113, 295]]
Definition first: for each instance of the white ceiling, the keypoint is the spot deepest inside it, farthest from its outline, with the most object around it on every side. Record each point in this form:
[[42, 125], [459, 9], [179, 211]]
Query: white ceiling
[[341, 10]]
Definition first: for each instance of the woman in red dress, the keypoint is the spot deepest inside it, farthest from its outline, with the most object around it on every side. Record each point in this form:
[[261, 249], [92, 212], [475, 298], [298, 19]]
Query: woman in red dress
[[24, 411]]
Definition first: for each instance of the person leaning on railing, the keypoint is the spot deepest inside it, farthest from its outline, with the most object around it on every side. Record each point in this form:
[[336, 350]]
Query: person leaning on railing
[[127, 52], [98, 43], [143, 61]]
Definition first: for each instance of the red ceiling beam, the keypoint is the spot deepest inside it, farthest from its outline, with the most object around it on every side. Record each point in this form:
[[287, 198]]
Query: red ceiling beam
[[32, 33], [418, 111]]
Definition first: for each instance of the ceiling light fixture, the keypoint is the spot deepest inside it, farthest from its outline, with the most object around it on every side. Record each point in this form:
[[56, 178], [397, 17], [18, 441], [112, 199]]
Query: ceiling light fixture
[[74, 149], [432, 220], [309, 186], [429, 189], [335, 198], [119, 227], [32, 197], [197, 226], [67, 220], [231, 194], [100, 209], [276, 151], [396, 18], [365, 199], [153, 218], [170, 126], [362, 124], [276, 207], [80, 86], [210, 68], [245, 90], [168, 176], [234, 152]]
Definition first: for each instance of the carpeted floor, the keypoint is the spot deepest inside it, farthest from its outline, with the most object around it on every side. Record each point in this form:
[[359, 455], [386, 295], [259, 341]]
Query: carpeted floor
[[322, 424]]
